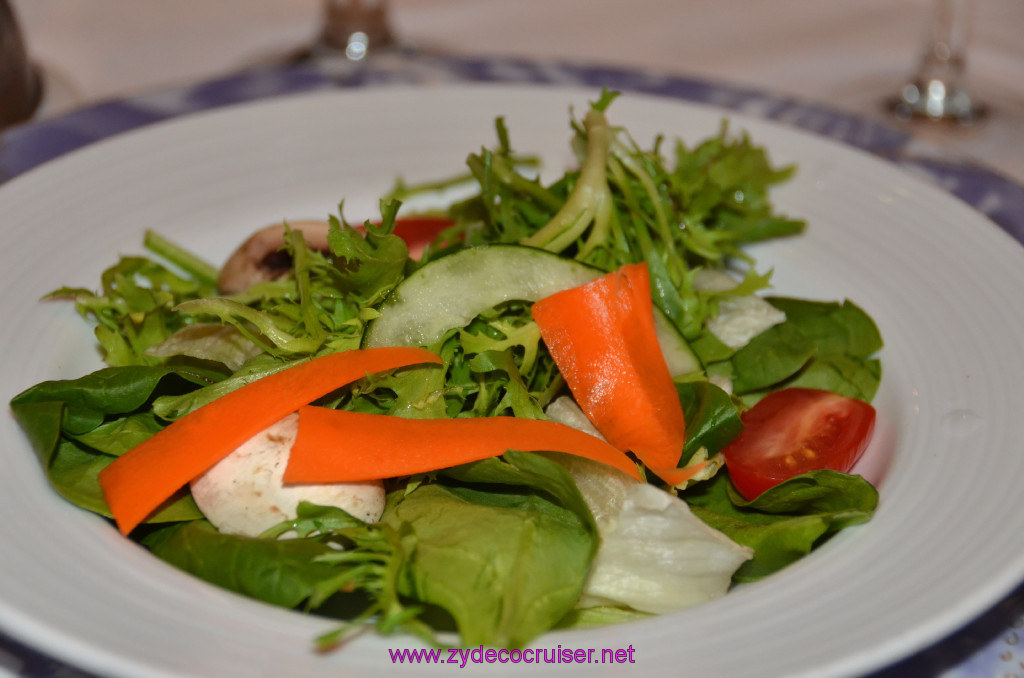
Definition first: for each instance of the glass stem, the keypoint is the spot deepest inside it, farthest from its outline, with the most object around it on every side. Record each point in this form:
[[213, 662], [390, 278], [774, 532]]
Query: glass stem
[[944, 57], [354, 26]]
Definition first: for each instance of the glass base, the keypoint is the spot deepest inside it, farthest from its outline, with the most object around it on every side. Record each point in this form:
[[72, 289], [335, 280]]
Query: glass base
[[934, 100]]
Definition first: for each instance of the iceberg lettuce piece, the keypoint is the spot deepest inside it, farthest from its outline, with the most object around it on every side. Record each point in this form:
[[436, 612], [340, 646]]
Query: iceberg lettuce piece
[[657, 557]]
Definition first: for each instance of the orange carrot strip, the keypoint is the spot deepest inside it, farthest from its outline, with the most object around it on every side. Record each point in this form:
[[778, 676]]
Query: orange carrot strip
[[334, 446], [136, 483], [602, 337]]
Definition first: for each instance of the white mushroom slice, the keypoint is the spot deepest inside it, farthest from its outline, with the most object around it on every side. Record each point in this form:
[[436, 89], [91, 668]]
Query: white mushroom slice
[[259, 259], [244, 494]]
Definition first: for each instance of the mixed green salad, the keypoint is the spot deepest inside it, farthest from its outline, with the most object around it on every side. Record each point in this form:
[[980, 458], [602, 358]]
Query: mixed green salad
[[774, 393]]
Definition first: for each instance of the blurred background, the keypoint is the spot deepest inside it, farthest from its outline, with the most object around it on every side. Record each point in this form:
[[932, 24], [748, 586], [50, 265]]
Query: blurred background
[[851, 55], [807, 48]]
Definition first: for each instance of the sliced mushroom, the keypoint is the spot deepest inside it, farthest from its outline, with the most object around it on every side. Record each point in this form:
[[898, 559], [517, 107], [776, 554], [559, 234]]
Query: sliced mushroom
[[260, 258], [244, 494]]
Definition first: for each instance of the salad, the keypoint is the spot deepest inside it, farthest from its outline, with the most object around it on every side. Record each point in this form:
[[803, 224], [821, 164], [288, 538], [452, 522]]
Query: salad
[[548, 405]]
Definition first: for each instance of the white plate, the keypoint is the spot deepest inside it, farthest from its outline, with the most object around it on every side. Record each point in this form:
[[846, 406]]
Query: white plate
[[942, 282]]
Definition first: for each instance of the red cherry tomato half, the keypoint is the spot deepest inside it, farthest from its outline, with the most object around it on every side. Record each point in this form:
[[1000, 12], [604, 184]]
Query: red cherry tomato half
[[794, 431], [418, 232]]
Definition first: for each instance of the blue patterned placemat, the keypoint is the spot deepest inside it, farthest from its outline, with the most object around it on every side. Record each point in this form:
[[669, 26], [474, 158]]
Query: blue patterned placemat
[[990, 647]]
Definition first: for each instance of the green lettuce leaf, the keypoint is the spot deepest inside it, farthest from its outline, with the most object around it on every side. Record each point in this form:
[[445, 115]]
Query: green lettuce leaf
[[786, 522], [373, 261], [712, 418], [77, 427], [835, 328], [283, 572], [823, 345], [500, 591], [434, 547], [770, 358]]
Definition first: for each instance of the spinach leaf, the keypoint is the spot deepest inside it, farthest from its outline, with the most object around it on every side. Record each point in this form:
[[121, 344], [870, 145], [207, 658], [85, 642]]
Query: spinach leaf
[[282, 572], [77, 427], [111, 390], [835, 328], [787, 521], [838, 373], [771, 357], [74, 473], [174, 406], [712, 418], [526, 469], [338, 565], [824, 345], [503, 545], [117, 436], [845, 338]]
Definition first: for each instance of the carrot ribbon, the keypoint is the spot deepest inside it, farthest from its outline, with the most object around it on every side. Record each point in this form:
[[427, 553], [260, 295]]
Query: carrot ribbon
[[338, 446], [602, 337], [136, 483]]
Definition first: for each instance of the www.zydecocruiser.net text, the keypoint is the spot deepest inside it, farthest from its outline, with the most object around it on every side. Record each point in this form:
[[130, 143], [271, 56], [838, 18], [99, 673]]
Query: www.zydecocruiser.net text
[[462, 657]]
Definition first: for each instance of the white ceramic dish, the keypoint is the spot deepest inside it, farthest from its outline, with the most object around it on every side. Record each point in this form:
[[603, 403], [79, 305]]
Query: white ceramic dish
[[941, 281]]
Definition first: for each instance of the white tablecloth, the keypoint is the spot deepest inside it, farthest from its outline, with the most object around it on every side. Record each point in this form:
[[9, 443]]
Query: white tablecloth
[[850, 54]]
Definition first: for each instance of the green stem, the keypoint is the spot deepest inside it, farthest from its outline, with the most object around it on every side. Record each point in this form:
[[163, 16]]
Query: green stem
[[583, 204], [234, 313], [662, 226], [300, 266], [182, 258], [506, 173]]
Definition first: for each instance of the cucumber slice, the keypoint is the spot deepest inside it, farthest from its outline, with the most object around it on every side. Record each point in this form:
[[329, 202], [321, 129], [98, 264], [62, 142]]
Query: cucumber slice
[[679, 357], [453, 290]]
